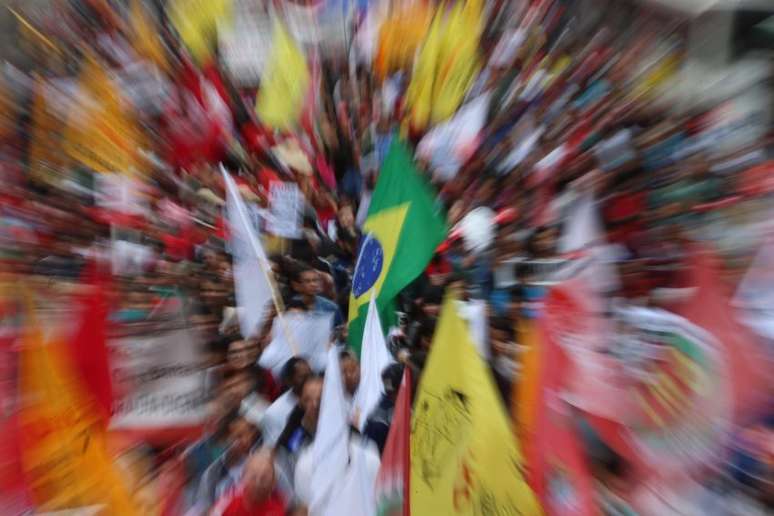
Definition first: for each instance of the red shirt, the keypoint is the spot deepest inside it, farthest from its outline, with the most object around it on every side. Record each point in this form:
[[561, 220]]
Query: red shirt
[[274, 506]]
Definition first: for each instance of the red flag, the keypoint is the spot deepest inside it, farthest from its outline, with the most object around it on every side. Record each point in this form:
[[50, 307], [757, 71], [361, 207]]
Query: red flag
[[89, 344], [558, 472], [710, 308], [392, 481]]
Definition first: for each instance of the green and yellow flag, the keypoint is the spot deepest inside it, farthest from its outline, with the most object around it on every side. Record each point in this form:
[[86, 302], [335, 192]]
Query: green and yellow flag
[[403, 228], [285, 84], [464, 459]]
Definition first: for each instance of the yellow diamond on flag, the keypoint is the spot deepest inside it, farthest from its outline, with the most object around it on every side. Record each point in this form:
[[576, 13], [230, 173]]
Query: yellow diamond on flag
[[381, 235]]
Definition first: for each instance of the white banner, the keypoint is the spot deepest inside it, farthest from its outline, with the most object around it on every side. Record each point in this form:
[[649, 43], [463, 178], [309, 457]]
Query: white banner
[[285, 201], [159, 380]]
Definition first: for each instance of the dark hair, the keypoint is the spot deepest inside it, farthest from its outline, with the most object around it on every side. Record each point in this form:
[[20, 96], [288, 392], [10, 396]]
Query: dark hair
[[286, 375], [230, 418], [391, 377], [505, 325], [426, 330], [347, 353], [299, 270], [314, 377]]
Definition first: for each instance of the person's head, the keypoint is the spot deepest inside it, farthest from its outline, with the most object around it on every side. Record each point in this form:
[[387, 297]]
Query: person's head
[[350, 371], [241, 354], [311, 393], [306, 281], [258, 477], [391, 378], [425, 334], [294, 373], [242, 435], [346, 216], [236, 385]]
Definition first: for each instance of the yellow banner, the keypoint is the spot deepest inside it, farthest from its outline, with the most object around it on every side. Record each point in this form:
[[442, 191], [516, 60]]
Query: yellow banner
[[464, 459]]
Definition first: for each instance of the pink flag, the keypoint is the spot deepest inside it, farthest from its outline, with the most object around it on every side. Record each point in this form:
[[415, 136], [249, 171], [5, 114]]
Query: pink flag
[[392, 482]]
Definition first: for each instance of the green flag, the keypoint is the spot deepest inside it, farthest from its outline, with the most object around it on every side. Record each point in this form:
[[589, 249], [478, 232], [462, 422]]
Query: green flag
[[403, 228]]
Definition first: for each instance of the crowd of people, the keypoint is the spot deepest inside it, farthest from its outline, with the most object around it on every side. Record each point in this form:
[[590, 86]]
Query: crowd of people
[[566, 148]]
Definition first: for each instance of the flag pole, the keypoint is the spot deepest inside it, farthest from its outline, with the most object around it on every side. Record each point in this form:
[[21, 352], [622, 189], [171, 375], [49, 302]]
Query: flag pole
[[278, 305]]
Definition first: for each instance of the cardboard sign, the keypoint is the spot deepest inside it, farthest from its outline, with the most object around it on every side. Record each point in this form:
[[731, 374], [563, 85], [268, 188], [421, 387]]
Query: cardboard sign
[[285, 202]]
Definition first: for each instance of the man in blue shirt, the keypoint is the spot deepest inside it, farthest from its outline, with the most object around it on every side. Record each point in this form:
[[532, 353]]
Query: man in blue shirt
[[306, 284]]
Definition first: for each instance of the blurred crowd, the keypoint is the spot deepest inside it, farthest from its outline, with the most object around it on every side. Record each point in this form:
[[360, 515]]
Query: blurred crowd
[[575, 146]]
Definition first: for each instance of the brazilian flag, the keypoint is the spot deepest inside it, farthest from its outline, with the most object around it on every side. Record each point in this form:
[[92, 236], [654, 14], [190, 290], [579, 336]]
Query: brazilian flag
[[403, 228]]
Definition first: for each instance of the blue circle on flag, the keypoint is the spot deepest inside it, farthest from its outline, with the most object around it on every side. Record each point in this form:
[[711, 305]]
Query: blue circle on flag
[[369, 265]]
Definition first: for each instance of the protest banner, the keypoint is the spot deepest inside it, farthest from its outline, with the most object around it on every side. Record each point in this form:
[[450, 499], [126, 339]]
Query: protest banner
[[285, 203], [160, 381]]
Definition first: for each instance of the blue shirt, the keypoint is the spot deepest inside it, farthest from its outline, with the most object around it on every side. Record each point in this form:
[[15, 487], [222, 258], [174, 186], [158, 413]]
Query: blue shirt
[[326, 306]]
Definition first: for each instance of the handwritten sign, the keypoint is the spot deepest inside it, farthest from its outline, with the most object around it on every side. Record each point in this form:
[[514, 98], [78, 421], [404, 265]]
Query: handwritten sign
[[285, 201]]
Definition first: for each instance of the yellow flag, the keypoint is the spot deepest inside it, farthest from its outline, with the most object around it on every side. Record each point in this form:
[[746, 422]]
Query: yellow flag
[[458, 59], [196, 22], [419, 95], [400, 36], [145, 36], [464, 459], [64, 455], [283, 89], [101, 132]]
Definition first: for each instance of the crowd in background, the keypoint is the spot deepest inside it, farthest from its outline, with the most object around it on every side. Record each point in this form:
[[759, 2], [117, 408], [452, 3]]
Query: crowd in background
[[574, 113]]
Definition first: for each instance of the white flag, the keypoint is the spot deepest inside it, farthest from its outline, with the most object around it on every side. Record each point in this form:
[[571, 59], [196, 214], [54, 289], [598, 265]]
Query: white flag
[[330, 447], [583, 232], [251, 267], [582, 227], [302, 334], [373, 360]]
